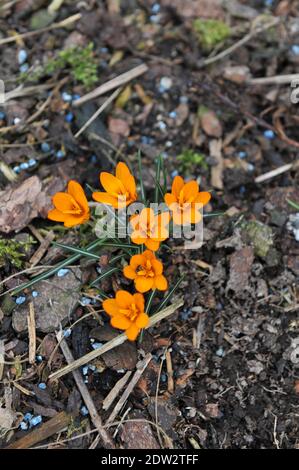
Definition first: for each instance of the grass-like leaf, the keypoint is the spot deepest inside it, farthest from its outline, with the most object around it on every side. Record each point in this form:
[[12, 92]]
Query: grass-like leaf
[[107, 273], [170, 294], [56, 268], [150, 300], [293, 204], [140, 177]]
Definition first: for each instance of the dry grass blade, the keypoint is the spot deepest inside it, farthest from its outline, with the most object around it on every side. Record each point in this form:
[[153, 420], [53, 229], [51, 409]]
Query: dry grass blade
[[114, 83], [61, 24], [96, 419], [115, 391], [141, 366], [31, 333], [114, 342]]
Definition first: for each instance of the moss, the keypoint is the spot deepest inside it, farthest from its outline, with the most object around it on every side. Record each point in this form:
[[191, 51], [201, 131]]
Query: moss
[[260, 235], [13, 252], [189, 159], [211, 32], [80, 61]]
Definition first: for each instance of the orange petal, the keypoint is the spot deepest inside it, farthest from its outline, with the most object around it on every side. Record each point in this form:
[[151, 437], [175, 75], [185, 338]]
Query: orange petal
[[124, 299], [177, 217], [144, 284], [121, 322], [76, 191], [158, 267], [161, 282], [56, 215], [148, 255], [105, 198], [139, 301], [110, 306], [129, 272], [177, 185], [63, 202], [137, 238], [73, 220], [152, 244], [142, 320], [111, 184], [124, 175], [190, 191], [146, 218], [203, 197], [132, 332], [195, 215], [170, 199], [137, 260]]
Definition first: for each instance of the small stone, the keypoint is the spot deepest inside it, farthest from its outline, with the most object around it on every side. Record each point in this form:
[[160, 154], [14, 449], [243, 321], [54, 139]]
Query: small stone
[[67, 333], [23, 426], [156, 8], [295, 49], [60, 154], [269, 134], [24, 166], [32, 162], [16, 121], [35, 421], [2, 115], [220, 352], [62, 272], [22, 56], [20, 300], [69, 117], [162, 125], [96, 345], [42, 386], [67, 97], [24, 68], [165, 84], [45, 147], [84, 411]]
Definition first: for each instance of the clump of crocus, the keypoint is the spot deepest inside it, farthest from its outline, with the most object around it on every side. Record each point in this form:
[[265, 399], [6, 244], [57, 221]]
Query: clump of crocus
[[127, 313], [120, 189], [150, 229], [71, 207], [146, 271], [185, 201]]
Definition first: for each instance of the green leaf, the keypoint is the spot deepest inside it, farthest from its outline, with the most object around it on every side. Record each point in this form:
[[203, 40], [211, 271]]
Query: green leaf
[[149, 301], [293, 204], [170, 294], [140, 177], [56, 268], [107, 273]]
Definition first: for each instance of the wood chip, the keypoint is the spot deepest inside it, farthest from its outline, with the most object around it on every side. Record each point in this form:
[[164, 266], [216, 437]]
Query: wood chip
[[215, 147]]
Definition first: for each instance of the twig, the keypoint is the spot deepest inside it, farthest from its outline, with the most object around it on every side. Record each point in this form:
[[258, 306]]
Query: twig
[[61, 24], [113, 343], [275, 80], [37, 256], [31, 333], [96, 419], [273, 173], [141, 366], [169, 372], [114, 83], [99, 111], [56, 424], [116, 390], [21, 91], [239, 43]]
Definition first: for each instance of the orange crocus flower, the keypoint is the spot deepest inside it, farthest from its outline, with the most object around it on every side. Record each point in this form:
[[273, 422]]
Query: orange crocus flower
[[185, 201], [150, 229], [146, 271], [127, 313], [71, 207], [120, 189]]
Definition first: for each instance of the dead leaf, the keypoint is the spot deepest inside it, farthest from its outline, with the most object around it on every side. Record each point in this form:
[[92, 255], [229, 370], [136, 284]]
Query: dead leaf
[[240, 269], [237, 74], [217, 170], [211, 124], [212, 410], [119, 126], [19, 205], [138, 435], [182, 112], [196, 8]]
